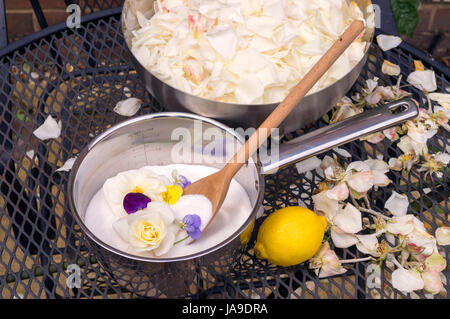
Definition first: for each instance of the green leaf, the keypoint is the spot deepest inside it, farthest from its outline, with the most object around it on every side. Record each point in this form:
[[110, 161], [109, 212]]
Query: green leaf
[[405, 15]]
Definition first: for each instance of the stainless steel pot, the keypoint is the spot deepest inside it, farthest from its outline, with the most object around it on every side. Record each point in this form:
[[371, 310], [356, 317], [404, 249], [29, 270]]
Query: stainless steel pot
[[310, 108], [147, 140]]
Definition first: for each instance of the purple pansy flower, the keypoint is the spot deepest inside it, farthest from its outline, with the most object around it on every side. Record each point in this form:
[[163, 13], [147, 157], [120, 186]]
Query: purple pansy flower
[[132, 202], [180, 179], [183, 181], [191, 224]]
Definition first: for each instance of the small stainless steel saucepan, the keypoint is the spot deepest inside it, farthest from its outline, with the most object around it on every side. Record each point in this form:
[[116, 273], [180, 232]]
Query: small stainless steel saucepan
[[147, 140]]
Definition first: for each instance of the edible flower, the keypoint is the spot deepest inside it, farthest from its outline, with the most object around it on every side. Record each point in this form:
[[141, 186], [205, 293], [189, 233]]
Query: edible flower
[[180, 179], [142, 180], [191, 224], [132, 202], [149, 229], [172, 194]]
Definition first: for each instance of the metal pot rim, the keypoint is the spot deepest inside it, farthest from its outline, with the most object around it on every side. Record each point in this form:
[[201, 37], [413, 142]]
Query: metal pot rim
[[86, 231]]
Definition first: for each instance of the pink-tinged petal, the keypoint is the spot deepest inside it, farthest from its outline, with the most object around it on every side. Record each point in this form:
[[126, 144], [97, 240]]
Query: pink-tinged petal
[[443, 235], [322, 203], [331, 265], [349, 219], [361, 181], [397, 204], [406, 280], [424, 242], [391, 133], [401, 225], [374, 138], [339, 192], [193, 70], [342, 239], [373, 98], [435, 262], [432, 282], [386, 92]]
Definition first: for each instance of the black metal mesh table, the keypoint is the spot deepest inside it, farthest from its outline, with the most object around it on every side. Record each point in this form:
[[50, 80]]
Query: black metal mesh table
[[78, 76]]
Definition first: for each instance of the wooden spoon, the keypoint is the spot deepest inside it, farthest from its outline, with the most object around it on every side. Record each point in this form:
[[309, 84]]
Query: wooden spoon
[[215, 186]]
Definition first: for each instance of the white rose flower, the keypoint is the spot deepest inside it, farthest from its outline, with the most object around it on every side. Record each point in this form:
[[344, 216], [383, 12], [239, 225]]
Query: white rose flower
[[149, 229]]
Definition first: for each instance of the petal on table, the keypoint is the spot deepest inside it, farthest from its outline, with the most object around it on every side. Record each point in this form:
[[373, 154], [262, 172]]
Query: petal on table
[[128, 107], [342, 239], [406, 280], [49, 129], [349, 219], [387, 42], [443, 235], [397, 204], [67, 166]]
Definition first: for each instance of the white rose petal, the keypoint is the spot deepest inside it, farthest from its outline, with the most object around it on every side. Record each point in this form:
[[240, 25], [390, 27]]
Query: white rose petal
[[368, 244], [397, 204], [128, 107], [342, 152], [49, 129], [402, 225], [387, 42], [361, 181], [406, 280], [442, 98], [308, 164], [322, 203], [423, 80], [339, 192], [349, 219], [443, 235], [67, 166], [342, 239], [224, 41], [390, 68]]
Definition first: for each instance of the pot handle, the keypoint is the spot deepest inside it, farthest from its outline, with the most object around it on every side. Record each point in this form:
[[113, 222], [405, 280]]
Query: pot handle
[[347, 130]]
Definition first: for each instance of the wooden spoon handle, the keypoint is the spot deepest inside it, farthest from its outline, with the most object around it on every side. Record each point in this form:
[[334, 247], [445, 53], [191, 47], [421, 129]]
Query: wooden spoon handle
[[294, 97]]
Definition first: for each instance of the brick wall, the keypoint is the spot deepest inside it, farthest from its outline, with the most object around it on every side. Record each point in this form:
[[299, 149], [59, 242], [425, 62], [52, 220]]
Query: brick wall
[[432, 33]]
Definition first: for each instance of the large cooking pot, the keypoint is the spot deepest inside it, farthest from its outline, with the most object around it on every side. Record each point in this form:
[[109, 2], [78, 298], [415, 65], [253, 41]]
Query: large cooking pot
[[147, 140], [310, 108]]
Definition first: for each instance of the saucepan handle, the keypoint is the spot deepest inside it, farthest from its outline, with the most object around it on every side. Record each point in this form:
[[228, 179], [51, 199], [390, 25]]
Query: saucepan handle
[[345, 131]]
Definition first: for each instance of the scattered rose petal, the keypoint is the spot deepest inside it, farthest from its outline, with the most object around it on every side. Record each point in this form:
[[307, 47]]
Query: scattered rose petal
[[349, 219], [128, 107], [49, 129], [390, 68], [339, 192], [423, 80], [368, 244], [308, 164], [342, 152], [397, 204], [402, 225], [374, 138], [432, 282], [387, 42], [361, 181], [406, 280], [322, 203], [435, 262], [443, 235], [391, 133], [67, 166], [342, 239]]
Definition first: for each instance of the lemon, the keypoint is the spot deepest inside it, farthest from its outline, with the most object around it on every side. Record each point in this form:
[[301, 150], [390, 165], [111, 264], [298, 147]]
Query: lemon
[[290, 236]]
